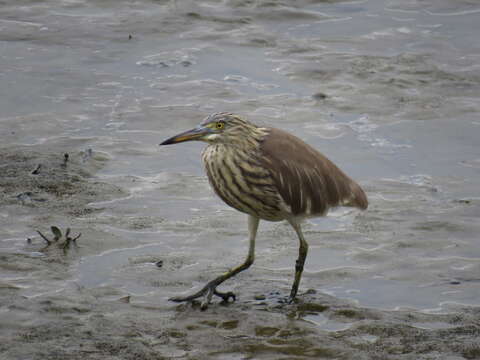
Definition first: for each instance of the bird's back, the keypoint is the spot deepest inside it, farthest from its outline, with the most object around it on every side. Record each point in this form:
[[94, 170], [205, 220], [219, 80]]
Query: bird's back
[[276, 176], [306, 180]]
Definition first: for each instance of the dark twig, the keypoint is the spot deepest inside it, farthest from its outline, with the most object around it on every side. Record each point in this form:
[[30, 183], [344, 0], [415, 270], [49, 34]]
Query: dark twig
[[65, 160], [44, 238], [37, 170]]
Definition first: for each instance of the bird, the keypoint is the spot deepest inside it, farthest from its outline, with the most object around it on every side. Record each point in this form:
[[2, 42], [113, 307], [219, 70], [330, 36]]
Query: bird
[[268, 174]]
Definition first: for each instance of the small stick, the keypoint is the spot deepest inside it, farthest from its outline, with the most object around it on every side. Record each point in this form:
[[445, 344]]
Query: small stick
[[65, 159], [44, 238], [37, 170]]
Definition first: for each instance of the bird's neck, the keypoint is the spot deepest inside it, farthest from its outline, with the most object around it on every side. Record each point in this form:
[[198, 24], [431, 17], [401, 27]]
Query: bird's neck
[[246, 144], [244, 141]]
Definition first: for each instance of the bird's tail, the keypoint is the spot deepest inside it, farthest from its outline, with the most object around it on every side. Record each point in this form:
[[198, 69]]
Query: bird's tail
[[358, 198]]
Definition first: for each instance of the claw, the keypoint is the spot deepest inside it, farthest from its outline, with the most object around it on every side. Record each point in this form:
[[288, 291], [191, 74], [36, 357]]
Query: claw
[[185, 298], [208, 291], [207, 298], [225, 296], [189, 297]]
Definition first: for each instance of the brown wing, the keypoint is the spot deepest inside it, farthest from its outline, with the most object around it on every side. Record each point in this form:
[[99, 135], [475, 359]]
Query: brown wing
[[306, 180]]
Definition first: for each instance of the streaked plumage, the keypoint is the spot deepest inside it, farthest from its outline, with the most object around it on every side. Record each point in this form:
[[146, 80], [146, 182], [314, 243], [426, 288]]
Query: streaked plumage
[[268, 174]]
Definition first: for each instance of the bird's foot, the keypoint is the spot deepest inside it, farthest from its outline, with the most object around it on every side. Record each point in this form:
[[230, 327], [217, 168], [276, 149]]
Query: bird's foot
[[293, 295], [225, 296], [207, 292], [292, 300]]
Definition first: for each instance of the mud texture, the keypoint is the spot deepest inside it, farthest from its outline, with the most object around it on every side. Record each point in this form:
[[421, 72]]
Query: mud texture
[[74, 322], [387, 89]]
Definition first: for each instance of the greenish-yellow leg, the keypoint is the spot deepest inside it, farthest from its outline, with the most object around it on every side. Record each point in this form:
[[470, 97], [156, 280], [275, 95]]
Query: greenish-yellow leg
[[210, 288], [302, 255]]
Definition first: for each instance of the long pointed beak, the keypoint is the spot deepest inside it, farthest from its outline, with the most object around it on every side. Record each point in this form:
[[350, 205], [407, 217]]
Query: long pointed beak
[[193, 134]]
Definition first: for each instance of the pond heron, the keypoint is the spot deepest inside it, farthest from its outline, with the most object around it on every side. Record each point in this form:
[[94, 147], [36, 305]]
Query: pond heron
[[271, 175]]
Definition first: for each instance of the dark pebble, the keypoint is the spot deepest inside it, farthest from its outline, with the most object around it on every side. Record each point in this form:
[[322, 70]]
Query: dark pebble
[[319, 96]]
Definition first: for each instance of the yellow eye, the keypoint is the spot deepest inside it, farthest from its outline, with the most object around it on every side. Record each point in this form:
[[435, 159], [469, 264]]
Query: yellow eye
[[220, 125]]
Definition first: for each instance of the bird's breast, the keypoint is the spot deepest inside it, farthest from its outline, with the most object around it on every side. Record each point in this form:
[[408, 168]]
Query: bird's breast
[[240, 180]]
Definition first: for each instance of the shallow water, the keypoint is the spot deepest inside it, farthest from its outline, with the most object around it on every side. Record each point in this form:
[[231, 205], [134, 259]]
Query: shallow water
[[389, 90]]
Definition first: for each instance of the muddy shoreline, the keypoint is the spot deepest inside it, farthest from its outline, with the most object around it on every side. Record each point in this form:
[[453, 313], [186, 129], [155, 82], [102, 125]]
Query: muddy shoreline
[[69, 321], [387, 89]]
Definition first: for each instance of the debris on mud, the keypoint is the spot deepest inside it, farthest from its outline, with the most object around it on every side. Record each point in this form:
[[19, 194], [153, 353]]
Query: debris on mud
[[59, 182], [63, 242]]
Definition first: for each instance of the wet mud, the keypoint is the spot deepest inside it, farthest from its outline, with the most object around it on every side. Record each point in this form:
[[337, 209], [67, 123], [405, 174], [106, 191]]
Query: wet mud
[[389, 90], [46, 315]]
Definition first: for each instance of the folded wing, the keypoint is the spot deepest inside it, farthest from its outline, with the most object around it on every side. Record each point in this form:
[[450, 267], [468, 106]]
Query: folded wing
[[308, 182]]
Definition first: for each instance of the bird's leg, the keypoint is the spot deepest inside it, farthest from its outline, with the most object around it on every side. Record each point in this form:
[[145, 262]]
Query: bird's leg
[[210, 288], [302, 255]]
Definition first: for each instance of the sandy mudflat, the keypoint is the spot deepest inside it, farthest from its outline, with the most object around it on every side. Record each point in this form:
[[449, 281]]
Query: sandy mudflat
[[46, 314], [387, 89]]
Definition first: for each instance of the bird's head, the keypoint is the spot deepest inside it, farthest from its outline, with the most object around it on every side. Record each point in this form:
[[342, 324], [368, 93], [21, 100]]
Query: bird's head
[[217, 128]]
